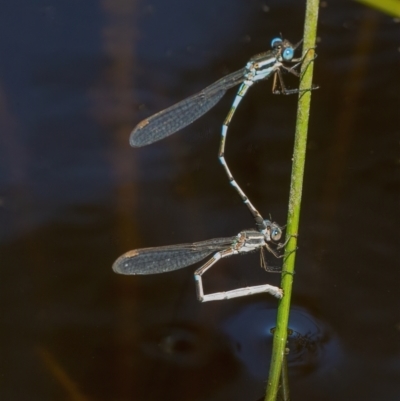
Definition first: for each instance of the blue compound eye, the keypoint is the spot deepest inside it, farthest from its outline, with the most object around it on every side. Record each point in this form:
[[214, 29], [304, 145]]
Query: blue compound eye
[[288, 53], [276, 234], [276, 42]]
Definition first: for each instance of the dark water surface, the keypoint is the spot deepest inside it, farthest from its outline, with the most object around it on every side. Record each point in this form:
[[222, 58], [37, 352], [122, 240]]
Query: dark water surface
[[75, 77]]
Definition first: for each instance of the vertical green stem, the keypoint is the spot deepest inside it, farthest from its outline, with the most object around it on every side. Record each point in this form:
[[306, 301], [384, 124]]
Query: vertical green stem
[[280, 333]]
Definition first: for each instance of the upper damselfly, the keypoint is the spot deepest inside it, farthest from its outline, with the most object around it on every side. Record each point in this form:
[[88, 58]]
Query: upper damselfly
[[178, 116]]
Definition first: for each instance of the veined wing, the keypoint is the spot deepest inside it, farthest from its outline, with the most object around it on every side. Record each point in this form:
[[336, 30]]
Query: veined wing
[[178, 116], [168, 258]]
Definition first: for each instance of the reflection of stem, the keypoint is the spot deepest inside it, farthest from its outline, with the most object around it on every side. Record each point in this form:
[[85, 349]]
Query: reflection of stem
[[344, 132], [115, 111], [61, 376], [284, 392]]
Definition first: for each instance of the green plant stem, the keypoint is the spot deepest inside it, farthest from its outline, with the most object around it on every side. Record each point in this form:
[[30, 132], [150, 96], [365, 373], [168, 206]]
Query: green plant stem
[[280, 333]]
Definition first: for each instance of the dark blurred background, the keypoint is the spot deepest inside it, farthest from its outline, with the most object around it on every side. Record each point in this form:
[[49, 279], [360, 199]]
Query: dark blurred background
[[75, 78]]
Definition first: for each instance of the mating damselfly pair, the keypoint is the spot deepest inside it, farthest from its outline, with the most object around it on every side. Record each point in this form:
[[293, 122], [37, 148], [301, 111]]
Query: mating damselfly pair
[[166, 122]]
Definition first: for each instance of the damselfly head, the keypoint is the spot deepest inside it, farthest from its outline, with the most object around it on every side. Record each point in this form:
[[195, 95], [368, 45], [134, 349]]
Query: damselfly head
[[287, 53], [276, 42], [284, 47], [276, 232], [272, 231]]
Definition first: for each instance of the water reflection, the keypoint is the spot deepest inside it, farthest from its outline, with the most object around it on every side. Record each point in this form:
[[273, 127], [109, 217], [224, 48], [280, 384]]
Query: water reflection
[[231, 357], [312, 344]]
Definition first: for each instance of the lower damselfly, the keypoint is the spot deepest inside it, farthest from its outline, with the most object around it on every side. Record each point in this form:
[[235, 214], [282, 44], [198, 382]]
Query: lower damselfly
[[173, 257], [180, 115]]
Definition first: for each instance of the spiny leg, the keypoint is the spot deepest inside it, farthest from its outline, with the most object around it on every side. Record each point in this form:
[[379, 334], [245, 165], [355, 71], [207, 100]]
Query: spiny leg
[[289, 237], [291, 70], [300, 60], [264, 264], [241, 92], [273, 269], [240, 292], [201, 270]]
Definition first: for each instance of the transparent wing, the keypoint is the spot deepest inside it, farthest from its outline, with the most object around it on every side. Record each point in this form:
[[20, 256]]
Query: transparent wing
[[181, 114], [168, 258]]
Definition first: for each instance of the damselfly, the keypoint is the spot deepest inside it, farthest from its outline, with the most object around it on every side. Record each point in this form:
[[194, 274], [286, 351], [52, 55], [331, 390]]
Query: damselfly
[[173, 257], [178, 116]]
